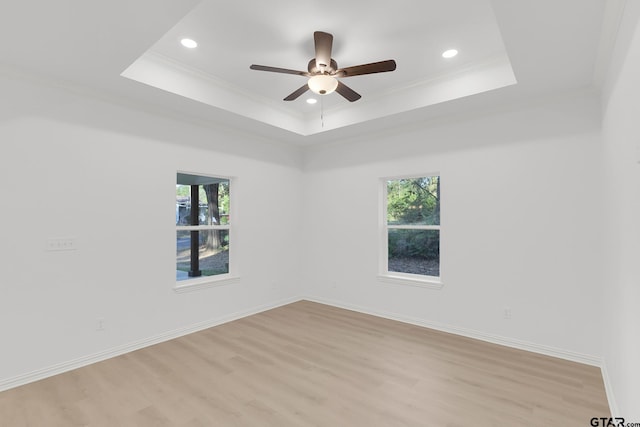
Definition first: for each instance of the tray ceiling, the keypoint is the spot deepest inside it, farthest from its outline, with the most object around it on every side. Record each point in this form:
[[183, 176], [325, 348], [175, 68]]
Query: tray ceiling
[[232, 35]]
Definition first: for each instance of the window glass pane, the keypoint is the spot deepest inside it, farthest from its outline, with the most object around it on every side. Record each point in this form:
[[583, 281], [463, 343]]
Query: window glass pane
[[215, 203], [413, 201], [213, 253], [213, 200], [414, 251], [183, 255], [183, 205]]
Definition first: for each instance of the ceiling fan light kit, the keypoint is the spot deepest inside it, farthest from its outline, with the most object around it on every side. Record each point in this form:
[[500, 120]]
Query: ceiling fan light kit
[[323, 71], [322, 84]]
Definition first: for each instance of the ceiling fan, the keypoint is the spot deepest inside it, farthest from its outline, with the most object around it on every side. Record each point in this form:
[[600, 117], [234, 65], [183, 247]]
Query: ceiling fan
[[323, 71]]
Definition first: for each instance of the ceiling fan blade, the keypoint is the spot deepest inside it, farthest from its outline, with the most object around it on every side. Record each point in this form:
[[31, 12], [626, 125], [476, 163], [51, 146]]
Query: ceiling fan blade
[[374, 67], [350, 94], [324, 43], [278, 70], [297, 93]]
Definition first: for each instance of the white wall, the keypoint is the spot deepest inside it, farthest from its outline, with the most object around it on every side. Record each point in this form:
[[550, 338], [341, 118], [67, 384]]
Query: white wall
[[520, 224], [621, 154], [71, 166]]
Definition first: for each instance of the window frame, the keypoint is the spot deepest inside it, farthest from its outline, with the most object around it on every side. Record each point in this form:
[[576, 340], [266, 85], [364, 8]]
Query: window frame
[[394, 277], [232, 276]]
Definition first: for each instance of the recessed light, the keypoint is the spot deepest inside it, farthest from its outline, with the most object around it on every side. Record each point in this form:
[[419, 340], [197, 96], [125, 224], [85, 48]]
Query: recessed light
[[191, 44], [311, 101], [449, 53]]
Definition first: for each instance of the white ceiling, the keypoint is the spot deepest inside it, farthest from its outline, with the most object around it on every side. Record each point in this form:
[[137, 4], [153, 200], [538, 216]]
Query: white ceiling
[[509, 50]]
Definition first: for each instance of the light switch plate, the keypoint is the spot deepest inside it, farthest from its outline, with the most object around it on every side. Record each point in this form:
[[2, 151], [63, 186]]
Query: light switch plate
[[61, 244]]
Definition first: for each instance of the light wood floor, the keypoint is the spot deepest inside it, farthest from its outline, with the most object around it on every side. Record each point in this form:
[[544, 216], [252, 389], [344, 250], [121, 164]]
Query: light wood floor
[[307, 364]]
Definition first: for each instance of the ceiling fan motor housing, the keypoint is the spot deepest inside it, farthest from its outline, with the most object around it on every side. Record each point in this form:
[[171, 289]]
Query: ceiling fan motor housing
[[328, 69]]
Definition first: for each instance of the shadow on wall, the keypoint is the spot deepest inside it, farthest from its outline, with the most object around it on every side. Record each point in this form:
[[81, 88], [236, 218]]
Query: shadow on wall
[[550, 118], [28, 96]]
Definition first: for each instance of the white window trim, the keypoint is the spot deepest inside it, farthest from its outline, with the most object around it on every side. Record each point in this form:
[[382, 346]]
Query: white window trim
[[233, 276], [393, 277], [205, 282], [202, 227]]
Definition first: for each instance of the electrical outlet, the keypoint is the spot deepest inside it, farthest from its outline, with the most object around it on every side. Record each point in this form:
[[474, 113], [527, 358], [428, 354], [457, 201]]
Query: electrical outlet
[[506, 314], [100, 323], [61, 244]]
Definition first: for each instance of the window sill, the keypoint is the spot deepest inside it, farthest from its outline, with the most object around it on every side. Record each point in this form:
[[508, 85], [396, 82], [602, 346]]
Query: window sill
[[204, 283], [412, 280]]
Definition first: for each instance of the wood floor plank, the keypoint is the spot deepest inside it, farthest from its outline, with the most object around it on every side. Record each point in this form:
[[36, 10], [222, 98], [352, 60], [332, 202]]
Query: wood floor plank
[[307, 364]]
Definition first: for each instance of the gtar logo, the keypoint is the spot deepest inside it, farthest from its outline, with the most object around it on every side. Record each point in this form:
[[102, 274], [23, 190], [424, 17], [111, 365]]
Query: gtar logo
[[607, 422]]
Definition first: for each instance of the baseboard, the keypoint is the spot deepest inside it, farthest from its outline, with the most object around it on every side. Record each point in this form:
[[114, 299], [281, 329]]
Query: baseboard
[[127, 348], [469, 333], [608, 388]]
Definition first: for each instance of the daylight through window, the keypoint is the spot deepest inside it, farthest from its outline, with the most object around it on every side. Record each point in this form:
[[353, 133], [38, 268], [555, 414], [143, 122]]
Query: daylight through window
[[411, 235], [202, 226]]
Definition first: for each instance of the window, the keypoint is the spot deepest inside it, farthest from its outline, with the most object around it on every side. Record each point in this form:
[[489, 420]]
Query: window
[[203, 227], [410, 236]]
